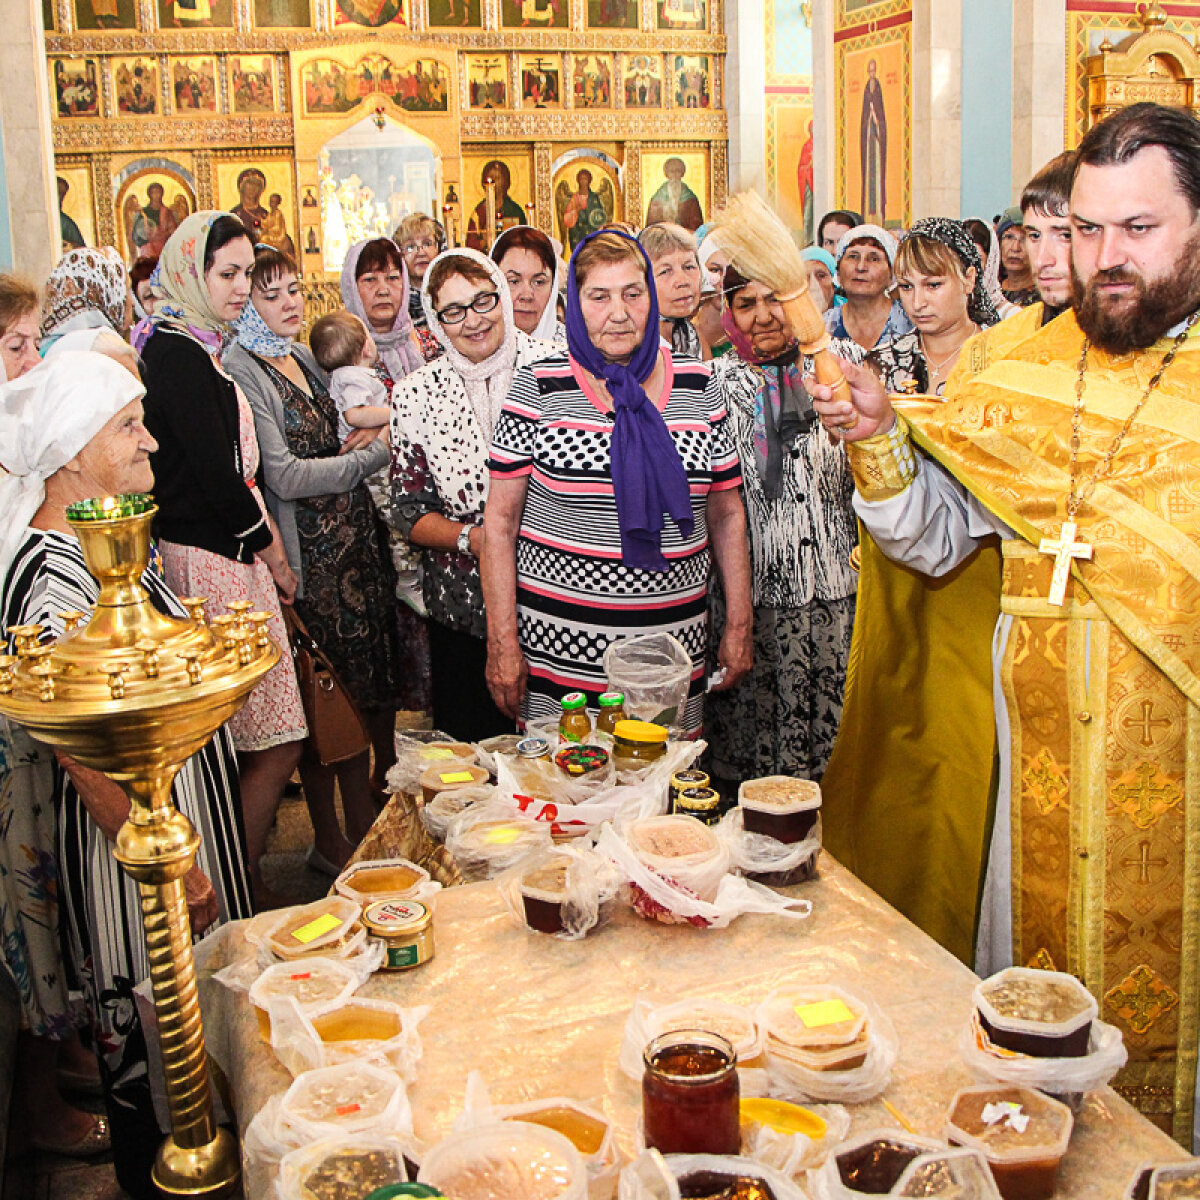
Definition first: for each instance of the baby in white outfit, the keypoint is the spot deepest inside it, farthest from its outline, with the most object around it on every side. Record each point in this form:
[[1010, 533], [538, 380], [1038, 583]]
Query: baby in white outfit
[[343, 346]]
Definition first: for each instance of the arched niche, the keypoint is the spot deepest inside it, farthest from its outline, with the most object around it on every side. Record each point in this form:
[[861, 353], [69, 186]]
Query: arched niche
[[370, 176]]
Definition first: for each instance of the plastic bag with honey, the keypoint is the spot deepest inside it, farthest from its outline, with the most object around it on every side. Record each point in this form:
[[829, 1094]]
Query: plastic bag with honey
[[440, 812], [757, 854], [492, 837], [370, 1030], [589, 884], [584, 1125], [419, 749], [642, 1179]]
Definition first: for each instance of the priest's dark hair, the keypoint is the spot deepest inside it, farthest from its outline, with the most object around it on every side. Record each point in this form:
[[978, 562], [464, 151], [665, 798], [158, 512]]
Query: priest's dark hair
[[1116, 140], [1049, 191]]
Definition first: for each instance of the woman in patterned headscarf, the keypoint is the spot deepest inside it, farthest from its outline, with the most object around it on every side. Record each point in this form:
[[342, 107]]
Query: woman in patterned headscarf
[[87, 290], [215, 535], [940, 281]]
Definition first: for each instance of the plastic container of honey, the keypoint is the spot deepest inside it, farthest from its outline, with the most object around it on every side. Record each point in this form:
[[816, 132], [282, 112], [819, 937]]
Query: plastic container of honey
[[316, 984], [1165, 1181], [344, 1167], [504, 1160], [351, 1097], [587, 1129], [819, 1028], [378, 879], [872, 1163], [779, 806], [405, 927], [1022, 1134], [543, 889], [1044, 1014], [329, 926], [449, 776], [681, 848]]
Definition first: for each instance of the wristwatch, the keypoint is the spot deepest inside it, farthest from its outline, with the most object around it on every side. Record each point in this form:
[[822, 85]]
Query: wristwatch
[[464, 539]]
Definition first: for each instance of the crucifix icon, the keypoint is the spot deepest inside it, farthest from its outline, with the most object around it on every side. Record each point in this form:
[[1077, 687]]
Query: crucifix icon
[[1143, 864], [1064, 549], [1147, 723]]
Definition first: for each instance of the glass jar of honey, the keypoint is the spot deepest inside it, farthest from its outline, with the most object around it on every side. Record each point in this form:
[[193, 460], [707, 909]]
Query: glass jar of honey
[[612, 710], [637, 744], [574, 725], [690, 1094]]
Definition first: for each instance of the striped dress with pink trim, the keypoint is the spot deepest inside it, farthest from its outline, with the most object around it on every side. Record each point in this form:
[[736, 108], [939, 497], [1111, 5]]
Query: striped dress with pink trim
[[574, 594]]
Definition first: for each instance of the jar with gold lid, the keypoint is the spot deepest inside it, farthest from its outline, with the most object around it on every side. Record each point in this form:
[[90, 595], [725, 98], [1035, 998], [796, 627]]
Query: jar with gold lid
[[406, 929], [703, 803]]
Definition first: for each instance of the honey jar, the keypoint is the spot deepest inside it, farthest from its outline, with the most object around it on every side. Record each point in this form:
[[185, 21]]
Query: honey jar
[[406, 929], [689, 777], [637, 744], [700, 802]]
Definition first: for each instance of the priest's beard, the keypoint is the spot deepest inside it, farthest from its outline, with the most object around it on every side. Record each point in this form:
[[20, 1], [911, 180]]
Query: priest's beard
[[1133, 323]]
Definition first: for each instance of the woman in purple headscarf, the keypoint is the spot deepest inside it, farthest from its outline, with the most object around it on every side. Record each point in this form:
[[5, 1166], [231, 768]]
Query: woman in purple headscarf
[[612, 472]]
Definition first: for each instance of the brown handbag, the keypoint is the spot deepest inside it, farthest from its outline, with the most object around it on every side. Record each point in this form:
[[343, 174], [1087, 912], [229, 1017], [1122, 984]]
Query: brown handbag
[[335, 729]]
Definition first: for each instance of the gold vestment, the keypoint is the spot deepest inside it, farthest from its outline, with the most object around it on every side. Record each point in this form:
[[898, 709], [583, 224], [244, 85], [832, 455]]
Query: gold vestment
[[1103, 694]]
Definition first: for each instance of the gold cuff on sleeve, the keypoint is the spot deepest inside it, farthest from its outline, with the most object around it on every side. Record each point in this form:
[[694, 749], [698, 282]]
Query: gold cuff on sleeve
[[884, 465]]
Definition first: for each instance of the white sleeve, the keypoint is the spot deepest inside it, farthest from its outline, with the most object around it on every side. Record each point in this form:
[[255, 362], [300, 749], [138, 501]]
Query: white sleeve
[[931, 526], [357, 391]]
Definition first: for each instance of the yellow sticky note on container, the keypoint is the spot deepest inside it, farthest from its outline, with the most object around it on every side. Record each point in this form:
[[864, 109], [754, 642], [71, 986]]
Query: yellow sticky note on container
[[502, 836], [437, 752], [824, 1012], [314, 929], [456, 777]]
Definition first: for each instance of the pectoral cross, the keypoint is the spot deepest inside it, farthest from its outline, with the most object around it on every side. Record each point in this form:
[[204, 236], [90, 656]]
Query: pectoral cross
[[1064, 549]]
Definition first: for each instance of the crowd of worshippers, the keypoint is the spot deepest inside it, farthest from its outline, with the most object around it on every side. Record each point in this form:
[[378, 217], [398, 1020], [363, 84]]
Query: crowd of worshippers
[[466, 484]]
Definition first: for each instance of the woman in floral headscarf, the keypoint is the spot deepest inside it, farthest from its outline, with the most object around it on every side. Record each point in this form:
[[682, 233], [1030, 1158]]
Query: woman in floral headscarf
[[86, 290], [215, 535]]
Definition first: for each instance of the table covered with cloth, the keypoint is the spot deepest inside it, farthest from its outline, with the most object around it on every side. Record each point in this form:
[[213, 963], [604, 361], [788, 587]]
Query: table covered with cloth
[[543, 1017]]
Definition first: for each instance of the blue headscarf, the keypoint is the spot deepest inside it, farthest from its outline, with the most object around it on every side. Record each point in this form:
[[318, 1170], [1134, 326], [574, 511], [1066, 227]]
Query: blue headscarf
[[649, 481], [255, 335]]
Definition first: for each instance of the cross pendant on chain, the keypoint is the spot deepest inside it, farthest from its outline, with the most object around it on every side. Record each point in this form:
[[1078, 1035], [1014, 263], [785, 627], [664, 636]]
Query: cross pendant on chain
[[1064, 549]]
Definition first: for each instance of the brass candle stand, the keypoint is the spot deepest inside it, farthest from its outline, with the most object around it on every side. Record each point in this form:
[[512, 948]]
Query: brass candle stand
[[134, 693]]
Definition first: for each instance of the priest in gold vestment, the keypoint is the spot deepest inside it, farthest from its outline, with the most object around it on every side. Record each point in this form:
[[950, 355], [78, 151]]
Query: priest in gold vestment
[[1081, 448]]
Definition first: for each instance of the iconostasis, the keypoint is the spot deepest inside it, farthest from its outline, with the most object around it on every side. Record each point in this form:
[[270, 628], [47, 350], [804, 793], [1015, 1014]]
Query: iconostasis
[[320, 122]]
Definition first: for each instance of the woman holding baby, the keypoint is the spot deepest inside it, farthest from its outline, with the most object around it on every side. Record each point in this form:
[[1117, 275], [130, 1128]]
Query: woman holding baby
[[314, 488]]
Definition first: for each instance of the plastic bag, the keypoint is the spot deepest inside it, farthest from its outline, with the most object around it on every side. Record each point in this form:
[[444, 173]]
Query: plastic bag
[[422, 888], [561, 1114], [592, 883], [366, 1161], [789, 1080], [936, 1171], [654, 672], [639, 1180], [651, 1016], [418, 749], [350, 1097], [438, 814], [772, 862], [1067, 1078], [676, 903], [298, 1045], [792, 1153], [493, 836]]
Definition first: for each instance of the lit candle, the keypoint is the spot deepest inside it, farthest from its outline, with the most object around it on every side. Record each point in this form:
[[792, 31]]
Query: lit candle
[[490, 189]]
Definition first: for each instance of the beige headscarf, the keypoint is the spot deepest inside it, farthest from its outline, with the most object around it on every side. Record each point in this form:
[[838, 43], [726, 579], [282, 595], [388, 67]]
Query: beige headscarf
[[183, 301], [47, 416]]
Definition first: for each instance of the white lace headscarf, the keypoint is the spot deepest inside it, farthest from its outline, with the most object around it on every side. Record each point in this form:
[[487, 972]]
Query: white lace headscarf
[[486, 383]]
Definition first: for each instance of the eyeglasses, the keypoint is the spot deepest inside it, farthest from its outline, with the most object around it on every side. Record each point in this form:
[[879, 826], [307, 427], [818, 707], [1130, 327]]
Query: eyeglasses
[[414, 247], [455, 314]]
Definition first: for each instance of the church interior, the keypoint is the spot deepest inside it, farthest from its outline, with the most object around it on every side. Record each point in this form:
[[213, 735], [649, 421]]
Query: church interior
[[321, 123]]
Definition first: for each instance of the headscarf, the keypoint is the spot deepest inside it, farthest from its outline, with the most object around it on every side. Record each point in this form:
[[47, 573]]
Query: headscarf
[[139, 335], [706, 249], [85, 339], [255, 335], [87, 289], [816, 254], [783, 410], [867, 233], [991, 278], [954, 234], [548, 321], [47, 416], [183, 300], [647, 472], [486, 382], [398, 347]]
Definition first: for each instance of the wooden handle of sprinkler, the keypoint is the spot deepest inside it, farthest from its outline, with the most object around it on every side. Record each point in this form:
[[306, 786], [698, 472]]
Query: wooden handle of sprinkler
[[809, 328]]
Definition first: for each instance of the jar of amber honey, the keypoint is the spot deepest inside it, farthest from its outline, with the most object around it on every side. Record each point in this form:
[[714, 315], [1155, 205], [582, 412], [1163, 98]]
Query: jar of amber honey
[[690, 1094]]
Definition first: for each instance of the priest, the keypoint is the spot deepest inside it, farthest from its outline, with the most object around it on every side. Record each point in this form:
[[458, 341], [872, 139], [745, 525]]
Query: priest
[[1081, 449]]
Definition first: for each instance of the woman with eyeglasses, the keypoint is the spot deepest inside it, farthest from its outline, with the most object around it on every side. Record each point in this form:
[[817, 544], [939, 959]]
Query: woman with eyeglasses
[[420, 239], [443, 417]]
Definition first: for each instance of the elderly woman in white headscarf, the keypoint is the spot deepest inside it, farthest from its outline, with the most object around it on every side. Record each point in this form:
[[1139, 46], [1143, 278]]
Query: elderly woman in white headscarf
[[531, 265], [72, 429], [443, 417], [870, 317], [88, 289]]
